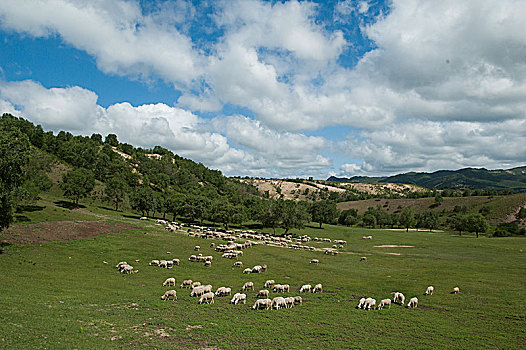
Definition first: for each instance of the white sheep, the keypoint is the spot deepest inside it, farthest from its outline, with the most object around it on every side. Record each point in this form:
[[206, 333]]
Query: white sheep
[[269, 283], [197, 291], [248, 285], [455, 290], [196, 248], [154, 263], [120, 264], [369, 304], [363, 258], [208, 263], [263, 293], [207, 288], [298, 300], [223, 291], [314, 261], [317, 288], [398, 297], [238, 264], [195, 284], [383, 303], [413, 302], [186, 284], [429, 290], [169, 293], [278, 303], [143, 218], [305, 288], [169, 282], [239, 298], [207, 297], [176, 261], [289, 302], [247, 270], [361, 303], [262, 304]]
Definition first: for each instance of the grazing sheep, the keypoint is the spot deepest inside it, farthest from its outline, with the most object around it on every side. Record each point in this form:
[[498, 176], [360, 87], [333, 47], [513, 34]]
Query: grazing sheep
[[289, 302], [314, 261], [305, 288], [369, 304], [413, 302], [361, 303], [169, 282], [169, 264], [143, 218], [196, 248], [278, 303], [455, 290], [176, 262], [207, 297], [154, 263], [247, 270], [317, 288], [398, 297], [208, 263], [207, 288], [429, 290], [263, 293], [367, 237], [212, 245], [163, 263], [195, 284], [121, 264], [298, 300], [239, 298], [280, 288], [238, 264], [248, 285], [197, 291], [269, 283], [262, 304], [257, 269], [363, 258], [383, 303], [223, 291], [169, 293], [186, 284]]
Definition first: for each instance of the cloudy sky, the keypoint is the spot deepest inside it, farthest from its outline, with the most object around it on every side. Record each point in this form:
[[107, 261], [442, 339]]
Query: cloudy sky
[[278, 88]]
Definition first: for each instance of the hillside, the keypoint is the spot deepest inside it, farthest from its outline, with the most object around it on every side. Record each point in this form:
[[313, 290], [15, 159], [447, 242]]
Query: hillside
[[512, 179]]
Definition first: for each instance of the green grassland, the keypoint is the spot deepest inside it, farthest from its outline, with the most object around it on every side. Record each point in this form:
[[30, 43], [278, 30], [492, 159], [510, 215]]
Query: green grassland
[[62, 296]]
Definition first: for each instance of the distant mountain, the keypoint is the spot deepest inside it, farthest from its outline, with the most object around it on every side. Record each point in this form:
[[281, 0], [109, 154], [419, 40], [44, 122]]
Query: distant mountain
[[514, 179]]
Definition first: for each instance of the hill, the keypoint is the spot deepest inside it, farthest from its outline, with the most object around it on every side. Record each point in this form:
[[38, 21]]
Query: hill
[[509, 179]]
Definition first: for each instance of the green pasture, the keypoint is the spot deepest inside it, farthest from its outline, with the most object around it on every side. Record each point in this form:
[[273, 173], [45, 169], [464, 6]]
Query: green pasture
[[62, 295]]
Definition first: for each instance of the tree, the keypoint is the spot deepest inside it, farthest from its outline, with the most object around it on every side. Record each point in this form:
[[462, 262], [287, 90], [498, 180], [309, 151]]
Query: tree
[[323, 212], [14, 155], [458, 223], [294, 215], [430, 220], [77, 183], [142, 199], [271, 214], [521, 214], [369, 220], [477, 223], [111, 140], [348, 217], [115, 190], [407, 218]]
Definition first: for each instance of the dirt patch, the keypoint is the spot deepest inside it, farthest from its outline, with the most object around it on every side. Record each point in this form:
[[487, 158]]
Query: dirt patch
[[397, 254], [394, 246], [46, 232]]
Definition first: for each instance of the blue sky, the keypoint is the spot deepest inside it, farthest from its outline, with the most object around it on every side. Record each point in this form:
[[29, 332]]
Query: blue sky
[[277, 88]]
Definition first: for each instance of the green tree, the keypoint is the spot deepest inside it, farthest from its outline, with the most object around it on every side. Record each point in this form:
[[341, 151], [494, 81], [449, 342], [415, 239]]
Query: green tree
[[111, 140], [521, 214], [407, 218], [294, 215], [14, 155], [142, 200], [458, 223], [477, 223], [348, 217], [323, 212], [369, 220], [271, 214], [77, 183], [115, 190], [430, 220]]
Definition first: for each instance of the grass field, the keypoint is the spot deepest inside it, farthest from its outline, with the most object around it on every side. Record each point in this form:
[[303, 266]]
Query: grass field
[[61, 295]]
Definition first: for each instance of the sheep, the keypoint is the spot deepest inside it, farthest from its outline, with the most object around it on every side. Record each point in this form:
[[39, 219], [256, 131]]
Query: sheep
[[367, 237], [195, 284], [212, 245], [186, 284], [196, 248], [120, 264], [429, 290], [169, 282], [163, 263], [361, 303], [278, 288], [383, 303], [169, 264], [154, 263], [363, 258], [317, 288], [169, 293], [298, 300], [238, 264], [239, 298], [207, 297], [143, 218], [197, 291], [207, 288], [455, 290], [208, 263], [257, 269], [263, 293], [247, 270], [176, 262], [289, 302], [278, 303], [314, 261], [369, 304], [248, 285], [262, 304], [398, 297], [413, 302], [305, 288], [269, 283], [223, 291]]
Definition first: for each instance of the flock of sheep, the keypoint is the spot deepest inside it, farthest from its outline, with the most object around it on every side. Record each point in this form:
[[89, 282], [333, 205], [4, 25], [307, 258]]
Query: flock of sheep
[[233, 250]]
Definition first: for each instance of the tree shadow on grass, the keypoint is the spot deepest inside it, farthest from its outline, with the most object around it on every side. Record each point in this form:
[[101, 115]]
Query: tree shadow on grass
[[68, 205], [21, 218], [29, 208]]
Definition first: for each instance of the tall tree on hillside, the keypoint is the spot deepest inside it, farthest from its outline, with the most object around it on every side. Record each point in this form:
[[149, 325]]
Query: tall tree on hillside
[[294, 215], [14, 154], [271, 214], [115, 190], [348, 217], [407, 218], [77, 183], [323, 212]]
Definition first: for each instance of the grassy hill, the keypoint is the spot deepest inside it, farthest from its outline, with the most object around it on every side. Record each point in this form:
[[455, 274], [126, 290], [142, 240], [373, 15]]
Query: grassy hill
[[62, 295]]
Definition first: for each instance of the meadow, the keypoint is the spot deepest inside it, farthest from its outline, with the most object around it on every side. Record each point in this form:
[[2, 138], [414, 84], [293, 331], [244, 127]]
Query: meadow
[[61, 295]]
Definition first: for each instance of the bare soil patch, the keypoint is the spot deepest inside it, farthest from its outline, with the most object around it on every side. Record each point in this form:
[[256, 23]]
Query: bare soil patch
[[58, 231]]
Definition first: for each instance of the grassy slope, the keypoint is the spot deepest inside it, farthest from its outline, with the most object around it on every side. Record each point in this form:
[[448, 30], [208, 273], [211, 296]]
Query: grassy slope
[[61, 295], [500, 206]]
